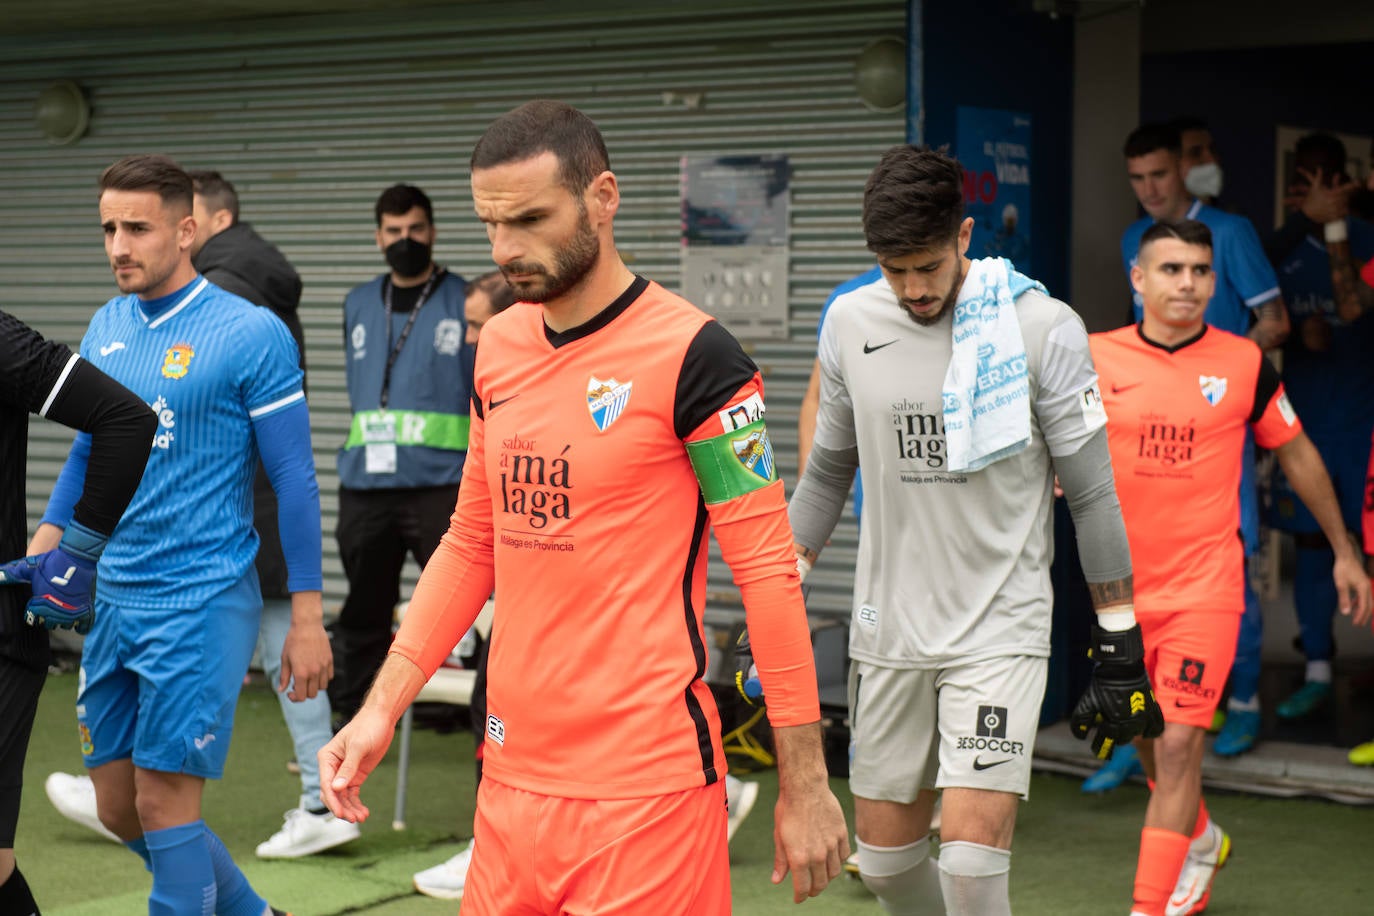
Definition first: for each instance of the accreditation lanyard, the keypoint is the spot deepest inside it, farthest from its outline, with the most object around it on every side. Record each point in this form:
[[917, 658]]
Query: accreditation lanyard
[[394, 351]]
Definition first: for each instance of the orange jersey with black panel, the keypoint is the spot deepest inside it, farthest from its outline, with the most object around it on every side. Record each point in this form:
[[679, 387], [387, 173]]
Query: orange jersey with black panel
[[599, 460], [1176, 420]]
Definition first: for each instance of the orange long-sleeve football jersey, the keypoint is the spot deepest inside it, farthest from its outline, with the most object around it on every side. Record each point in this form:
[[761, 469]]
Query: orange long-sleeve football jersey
[[599, 460], [1176, 421]]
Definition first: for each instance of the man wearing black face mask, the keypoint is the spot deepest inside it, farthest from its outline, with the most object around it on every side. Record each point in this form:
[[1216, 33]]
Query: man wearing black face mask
[[409, 386]]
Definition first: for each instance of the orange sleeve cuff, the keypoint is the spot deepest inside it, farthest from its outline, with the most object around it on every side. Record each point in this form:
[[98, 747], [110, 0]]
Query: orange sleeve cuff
[[756, 541]]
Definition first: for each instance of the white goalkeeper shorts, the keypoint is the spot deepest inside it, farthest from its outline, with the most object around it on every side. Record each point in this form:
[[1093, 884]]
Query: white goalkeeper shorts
[[967, 726]]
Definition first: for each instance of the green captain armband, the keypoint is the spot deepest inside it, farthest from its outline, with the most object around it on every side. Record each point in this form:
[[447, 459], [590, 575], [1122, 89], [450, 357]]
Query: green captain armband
[[734, 463]]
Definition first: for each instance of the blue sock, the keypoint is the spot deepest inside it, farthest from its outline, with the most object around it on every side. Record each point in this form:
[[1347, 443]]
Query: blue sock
[[139, 847], [183, 876], [236, 895]]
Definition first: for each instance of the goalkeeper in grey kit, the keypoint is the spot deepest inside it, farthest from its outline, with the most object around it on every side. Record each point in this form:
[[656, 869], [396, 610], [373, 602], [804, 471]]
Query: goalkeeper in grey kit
[[959, 389], [53, 588]]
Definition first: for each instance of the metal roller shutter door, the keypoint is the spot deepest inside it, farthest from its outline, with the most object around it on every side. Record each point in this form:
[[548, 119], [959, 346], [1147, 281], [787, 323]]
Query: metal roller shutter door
[[311, 117]]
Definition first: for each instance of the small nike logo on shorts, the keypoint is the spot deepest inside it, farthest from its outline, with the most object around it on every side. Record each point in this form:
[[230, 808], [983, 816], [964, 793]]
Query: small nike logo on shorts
[[1117, 389], [492, 405], [979, 765], [869, 348], [1182, 705]]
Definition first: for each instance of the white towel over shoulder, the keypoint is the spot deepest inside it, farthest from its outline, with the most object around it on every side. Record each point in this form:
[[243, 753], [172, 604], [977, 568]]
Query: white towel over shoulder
[[987, 386]]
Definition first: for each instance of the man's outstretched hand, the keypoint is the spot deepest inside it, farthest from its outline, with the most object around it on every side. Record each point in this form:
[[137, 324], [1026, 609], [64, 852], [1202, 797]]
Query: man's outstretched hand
[[348, 759]]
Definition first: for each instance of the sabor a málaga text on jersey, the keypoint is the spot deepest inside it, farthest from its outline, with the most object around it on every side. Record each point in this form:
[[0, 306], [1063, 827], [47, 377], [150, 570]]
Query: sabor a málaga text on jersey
[[600, 458], [951, 566], [1176, 426]]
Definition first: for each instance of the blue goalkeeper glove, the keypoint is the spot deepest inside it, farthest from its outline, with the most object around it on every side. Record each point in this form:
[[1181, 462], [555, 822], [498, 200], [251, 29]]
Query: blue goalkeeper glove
[[63, 580]]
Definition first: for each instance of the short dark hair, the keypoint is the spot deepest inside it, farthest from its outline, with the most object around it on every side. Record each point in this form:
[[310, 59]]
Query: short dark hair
[[1147, 138], [400, 199], [150, 172], [1191, 231], [546, 126], [913, 201], [1327, 147], [216, 190], [497, 290]]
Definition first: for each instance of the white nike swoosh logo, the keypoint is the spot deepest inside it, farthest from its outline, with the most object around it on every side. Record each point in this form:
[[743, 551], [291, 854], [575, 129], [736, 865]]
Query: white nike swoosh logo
[[107, 350]]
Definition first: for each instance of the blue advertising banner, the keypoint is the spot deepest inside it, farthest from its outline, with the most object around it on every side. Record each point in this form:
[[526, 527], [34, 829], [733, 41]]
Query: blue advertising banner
[[994, 148]]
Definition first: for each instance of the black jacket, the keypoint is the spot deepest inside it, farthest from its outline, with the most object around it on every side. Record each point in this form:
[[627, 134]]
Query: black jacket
[[244, 263]]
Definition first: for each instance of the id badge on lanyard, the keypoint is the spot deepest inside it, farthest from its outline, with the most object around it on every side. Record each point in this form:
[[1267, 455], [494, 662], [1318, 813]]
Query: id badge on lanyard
[[379, 442], [379, 429]]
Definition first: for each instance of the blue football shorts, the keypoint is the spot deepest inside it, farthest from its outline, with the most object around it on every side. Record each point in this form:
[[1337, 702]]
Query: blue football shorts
[[160, 686]]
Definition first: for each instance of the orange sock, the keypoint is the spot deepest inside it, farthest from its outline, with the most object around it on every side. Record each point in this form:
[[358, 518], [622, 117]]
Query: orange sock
[[1200, 827], [1161, 859]]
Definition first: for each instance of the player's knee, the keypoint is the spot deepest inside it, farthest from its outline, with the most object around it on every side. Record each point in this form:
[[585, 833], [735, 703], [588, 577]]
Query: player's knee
[[157, 809], [120, 819], [1177, 748], [973, 878], [903, 878]]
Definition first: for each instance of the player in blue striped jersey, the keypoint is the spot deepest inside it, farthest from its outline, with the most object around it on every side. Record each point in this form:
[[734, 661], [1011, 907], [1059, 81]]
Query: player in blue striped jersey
[[178, 605]]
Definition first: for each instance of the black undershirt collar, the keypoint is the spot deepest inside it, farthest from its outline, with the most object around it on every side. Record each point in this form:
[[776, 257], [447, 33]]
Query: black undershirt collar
[[403, 298], [602, 318], [1140, 329]]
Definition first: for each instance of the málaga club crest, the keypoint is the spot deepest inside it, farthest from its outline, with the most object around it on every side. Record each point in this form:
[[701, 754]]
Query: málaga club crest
[[1213, 388], [755, 452], [606, 400]]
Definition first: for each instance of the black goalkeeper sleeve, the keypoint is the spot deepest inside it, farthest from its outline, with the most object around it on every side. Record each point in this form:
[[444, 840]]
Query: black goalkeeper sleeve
[[121, 427]]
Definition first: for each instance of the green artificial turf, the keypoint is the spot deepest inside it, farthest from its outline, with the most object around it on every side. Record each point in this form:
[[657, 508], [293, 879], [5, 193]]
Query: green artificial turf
[[1074, 854]]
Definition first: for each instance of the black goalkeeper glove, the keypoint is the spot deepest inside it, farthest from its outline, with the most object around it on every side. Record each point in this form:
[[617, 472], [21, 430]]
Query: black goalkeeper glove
[[1119, 701]]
